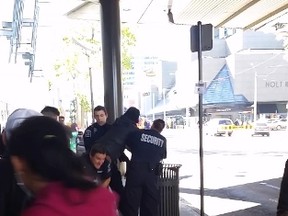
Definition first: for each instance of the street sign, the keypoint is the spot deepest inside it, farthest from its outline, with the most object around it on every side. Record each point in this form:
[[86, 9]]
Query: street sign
[[200, 88], [206, 37]]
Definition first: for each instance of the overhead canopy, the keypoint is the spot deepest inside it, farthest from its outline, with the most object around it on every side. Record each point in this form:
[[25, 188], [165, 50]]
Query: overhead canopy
[[244, 14]]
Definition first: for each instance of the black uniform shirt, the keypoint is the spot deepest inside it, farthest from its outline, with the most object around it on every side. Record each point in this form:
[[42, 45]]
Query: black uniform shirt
[[103, 173], [147, 146], [93, 133]]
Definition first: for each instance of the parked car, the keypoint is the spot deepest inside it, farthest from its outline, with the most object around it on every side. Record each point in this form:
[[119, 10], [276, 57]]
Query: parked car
[[219, 126], [261, 128], [277, 124]]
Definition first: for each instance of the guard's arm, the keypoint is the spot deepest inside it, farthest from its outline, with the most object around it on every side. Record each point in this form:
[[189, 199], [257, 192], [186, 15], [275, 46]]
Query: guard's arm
[[88, 138]]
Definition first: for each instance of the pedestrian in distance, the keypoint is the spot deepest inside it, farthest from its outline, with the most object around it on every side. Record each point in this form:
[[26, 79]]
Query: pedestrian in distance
[[51, 111], [53, 174], [148, 149], [12, 198], [68, 129]]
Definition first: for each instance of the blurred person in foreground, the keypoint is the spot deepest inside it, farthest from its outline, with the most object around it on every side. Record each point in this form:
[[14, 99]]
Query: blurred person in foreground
[[148, 149], [12, 198], [53, 174]]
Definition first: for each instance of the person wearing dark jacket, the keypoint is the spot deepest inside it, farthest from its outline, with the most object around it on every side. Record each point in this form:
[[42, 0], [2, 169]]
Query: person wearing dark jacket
[[50, 171], [97, 129], [12, 197], [115, 144], [115, 138], [97, 166], [148, 149]]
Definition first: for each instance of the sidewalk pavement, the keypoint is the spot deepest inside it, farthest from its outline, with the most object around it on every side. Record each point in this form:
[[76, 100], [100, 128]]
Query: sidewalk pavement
[[186, 209]]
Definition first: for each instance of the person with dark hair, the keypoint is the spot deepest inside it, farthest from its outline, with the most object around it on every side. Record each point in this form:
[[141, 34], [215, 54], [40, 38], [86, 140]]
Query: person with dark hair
[[68, 129], [97, 166], [115, 142], [148, 149], [115, 138], [53, 174], [97, 129], [50, 111], [12, 197]]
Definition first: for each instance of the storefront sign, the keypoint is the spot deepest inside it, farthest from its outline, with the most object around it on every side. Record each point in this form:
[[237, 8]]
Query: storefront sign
[[276, 84]]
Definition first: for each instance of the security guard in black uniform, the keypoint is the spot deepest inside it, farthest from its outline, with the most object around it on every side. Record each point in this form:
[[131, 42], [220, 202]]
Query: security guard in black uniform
[[148, 148], [98, 129]]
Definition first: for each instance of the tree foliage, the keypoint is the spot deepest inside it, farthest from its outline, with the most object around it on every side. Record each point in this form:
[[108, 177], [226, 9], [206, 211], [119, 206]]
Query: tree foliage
[[84, 102], [128, 40], [81, 47]]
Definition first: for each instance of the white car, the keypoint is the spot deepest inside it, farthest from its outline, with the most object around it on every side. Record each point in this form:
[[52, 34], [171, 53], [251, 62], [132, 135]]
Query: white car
[[277, 124], [219, 126], [261, 128]]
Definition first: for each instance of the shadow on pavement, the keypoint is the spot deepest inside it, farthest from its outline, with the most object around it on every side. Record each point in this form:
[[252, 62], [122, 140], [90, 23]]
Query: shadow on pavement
[[265, 193]]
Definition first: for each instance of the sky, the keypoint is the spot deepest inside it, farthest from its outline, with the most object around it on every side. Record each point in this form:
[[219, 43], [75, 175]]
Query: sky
[[169, 42]]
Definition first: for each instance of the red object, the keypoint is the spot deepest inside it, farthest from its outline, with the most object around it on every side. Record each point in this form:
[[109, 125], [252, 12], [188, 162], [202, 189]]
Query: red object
[[57, 200]]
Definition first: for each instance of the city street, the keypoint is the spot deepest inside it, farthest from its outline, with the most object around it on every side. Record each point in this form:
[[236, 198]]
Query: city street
[[242, 174]]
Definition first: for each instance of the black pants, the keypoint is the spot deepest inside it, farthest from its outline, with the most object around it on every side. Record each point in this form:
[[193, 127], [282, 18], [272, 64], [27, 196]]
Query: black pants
[[141, 191]]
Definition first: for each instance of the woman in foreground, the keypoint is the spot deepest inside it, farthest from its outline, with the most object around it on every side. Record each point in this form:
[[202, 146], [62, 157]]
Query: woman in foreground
[[52, 174]]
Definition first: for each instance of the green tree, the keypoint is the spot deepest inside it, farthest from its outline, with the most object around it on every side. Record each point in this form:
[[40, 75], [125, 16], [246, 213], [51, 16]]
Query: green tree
[[82, 46], [128, 40], [84, 102]]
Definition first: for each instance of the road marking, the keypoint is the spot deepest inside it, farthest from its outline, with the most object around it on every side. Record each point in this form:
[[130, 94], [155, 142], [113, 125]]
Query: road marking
[[269, 185], [217, 206]]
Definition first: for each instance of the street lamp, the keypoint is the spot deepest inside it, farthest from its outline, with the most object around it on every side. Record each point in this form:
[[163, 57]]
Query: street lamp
[[255, 95], [287, 110], [91, 86], [91, 93], [153, 105], [164, 103]]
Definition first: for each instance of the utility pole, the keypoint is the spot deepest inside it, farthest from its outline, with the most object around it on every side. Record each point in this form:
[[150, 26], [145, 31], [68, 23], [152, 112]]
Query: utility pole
[[255, 96], [91, 93], [164, 103]]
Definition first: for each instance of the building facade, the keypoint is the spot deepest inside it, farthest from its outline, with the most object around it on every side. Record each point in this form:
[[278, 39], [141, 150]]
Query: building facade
[[242, 69]]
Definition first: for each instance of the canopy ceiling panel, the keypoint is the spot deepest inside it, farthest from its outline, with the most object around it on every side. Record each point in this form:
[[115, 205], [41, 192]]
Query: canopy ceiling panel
[[244, 14]]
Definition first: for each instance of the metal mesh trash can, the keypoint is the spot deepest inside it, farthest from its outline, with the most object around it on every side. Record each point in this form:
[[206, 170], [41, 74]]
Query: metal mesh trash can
[[169, 190]]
